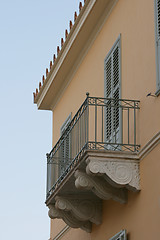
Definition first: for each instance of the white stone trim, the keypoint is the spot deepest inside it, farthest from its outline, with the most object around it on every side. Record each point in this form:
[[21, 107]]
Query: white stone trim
[[120, 173], [69, 218], [150, 145], [100, 187], [81, 209]]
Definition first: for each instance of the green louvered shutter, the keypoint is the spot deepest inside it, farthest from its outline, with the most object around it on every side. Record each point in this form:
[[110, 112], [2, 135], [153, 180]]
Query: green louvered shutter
[[65, 147], [112, 90]]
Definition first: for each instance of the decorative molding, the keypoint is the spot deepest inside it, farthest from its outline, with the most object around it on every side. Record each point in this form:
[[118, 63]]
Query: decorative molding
[[120, 173], [152, 143], [148, 147], [69, 219], [99, 187], [81, 209]]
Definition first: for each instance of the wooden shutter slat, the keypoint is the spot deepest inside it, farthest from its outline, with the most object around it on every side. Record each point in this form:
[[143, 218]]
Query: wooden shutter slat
[[112, 90]]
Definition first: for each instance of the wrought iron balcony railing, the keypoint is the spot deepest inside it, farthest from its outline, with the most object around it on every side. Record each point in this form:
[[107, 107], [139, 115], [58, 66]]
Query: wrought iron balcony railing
[[99, 124]]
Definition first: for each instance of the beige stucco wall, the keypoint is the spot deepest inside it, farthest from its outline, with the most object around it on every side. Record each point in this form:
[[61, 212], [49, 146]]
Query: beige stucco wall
[[141, 215], [57, 225], [134, 20], [138, 66]]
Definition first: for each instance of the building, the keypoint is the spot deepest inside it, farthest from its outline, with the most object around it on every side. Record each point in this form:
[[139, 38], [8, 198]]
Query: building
[[103, 89]]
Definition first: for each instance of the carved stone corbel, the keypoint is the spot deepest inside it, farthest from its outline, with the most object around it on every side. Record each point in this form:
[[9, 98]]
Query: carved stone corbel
[[69, 219], [81, 209], [120, 173], [99, 187]]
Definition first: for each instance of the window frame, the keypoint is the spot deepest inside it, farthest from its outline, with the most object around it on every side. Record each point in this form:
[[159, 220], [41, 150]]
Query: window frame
[[119, 235]]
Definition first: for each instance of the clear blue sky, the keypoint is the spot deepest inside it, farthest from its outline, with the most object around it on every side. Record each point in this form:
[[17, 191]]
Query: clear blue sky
[[30, 31]]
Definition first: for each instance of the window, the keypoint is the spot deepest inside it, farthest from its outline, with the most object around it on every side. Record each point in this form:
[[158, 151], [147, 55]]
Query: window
[[112, 82], [120, 236], [157, 24], [65, 147]]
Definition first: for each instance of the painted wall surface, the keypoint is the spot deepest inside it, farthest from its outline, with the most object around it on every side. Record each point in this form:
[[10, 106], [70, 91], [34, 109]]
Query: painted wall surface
[[138, 67], [134, 20], [77, 234], [141, 215], [57, 225]]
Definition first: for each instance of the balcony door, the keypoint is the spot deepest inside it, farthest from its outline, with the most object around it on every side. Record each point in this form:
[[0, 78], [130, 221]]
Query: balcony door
[[112, 87]]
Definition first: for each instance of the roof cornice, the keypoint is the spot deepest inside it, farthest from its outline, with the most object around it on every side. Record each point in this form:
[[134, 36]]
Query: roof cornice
[[71, 51]]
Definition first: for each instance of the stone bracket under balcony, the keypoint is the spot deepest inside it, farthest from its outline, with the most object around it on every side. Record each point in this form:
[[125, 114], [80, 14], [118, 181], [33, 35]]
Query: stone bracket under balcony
[[101, 175], [119, 169], [100, 187], [69, 219], [77, 212]]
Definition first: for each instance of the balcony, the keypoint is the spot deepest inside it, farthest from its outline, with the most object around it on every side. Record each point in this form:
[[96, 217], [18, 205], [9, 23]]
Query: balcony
[[95, 159]]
